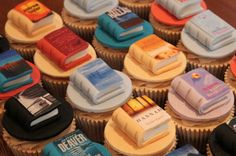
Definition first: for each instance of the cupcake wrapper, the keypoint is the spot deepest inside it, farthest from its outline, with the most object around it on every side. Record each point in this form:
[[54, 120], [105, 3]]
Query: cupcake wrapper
[[158, 95], [115, 153], [194, 136], [169, 35], [114, 59], [93, 129], [26, 53], [56, 87], [227, 81], [217, 70], [141, 9], [18, 151], [85, 31], [4, 150], [208, 151]]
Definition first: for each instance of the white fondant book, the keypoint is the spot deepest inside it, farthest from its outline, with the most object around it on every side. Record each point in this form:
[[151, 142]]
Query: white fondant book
[[97, 81], [210, 30], [181, 8], [201, 90], [154, 53], [92, 5], [142, 120]]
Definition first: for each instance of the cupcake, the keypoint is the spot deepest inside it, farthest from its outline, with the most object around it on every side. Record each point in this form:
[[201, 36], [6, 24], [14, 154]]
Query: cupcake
[[134, 129], [75, 143], [94, 91], [27, 23], [222, 140], [117, 30], [198, 102], [16, 75], [140, 7], [81, 16], [59, 54], [186, 150], [209, 43], [168, 17], [152, 63], [33, 119], [230, 75]]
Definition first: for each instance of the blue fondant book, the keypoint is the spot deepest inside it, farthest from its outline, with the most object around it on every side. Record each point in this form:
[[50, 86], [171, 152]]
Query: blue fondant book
[[121, 23], [14, 71], [75, 144], [187, 150]]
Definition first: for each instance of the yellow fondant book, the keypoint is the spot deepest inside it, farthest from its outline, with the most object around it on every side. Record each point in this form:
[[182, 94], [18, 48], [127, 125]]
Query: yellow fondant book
[[142, 120]]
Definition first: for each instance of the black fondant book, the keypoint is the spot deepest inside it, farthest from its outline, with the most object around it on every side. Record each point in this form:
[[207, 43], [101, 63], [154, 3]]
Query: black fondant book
[[33, 108]]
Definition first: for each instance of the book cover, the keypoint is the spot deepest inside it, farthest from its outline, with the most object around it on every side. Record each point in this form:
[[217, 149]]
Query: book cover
[[64, 48]]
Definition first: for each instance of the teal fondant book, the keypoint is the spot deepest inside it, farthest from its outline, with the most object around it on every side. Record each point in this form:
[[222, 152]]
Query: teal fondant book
[[75, 144], [121, 23], [14, 71]]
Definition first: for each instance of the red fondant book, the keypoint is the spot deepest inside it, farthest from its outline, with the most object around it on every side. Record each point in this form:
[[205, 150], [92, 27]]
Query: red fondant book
[[64, 48]]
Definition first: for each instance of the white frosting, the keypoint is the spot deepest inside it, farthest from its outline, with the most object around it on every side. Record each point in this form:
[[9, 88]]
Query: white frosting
[[181, 8], [92, 5]]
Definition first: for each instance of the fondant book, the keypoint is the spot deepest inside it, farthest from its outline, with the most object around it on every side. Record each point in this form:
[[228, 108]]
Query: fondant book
[[154, 53], [121, 23], [142, 120], [97, 81], [14, 71], [186, 150], [181, 8], [32, 17], [201, 90], [74, 144], [33, 108], [91, 5], [64, 48], [210, 30]]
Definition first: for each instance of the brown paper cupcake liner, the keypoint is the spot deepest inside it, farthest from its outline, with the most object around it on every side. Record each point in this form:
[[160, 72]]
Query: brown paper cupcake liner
[[114, 58], [56, 87], [171, 36], [26, 52], [4, 150], [158, 95], [115, 153], [86, 31], [19, 151], [208, 151], [93, 128], [193, 135], [141, 9], [2, 110], [217, 70]]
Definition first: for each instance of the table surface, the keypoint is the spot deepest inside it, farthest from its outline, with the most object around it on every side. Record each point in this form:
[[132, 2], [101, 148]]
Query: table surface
[[226, 9]]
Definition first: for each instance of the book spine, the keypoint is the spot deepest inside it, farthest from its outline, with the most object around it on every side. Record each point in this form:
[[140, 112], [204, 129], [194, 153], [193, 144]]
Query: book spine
[[51, 52]]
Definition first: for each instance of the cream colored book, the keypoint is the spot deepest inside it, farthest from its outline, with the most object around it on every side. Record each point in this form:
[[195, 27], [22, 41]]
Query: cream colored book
[[142, 120]]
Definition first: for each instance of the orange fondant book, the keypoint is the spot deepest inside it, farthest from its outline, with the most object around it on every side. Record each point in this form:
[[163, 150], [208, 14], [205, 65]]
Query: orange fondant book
[[64, 48]]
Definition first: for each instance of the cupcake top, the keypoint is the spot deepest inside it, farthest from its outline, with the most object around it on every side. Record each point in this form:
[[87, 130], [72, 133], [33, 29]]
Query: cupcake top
[[176, 12], [75, 143], [35, 111], [154, 60], [119, 28], [99, 88], [222, 141], [16, 74], [61, 51], [201, 97], [4, 44], [134, 129], [207, 35], [89, 9], [30, 20]]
